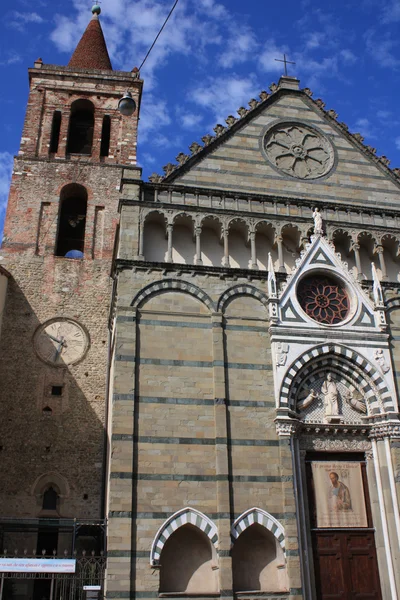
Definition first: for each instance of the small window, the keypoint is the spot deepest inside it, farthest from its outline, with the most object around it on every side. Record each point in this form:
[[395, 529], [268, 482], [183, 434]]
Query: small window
[[105, 136], [81, 125], [72, 222], [50, 499], [55, 132], [56, 390]]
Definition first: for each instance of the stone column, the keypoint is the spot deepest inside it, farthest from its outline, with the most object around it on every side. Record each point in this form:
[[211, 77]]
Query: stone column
[[225, 233], [221, 457], [197, 232], [253, 250], [356, 248], [141, 240], [379, 250], [279, 241], [170, 229]]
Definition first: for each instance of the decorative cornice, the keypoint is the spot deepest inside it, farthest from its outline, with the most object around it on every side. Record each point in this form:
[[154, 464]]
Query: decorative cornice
[[388, 429], [233, 123]]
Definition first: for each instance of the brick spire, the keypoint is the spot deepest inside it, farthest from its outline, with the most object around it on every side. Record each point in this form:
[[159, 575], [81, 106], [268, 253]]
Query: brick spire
[[91, 52]]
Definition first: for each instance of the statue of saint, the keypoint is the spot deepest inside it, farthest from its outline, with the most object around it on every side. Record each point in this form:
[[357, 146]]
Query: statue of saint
[[331, 397], [318, 225]]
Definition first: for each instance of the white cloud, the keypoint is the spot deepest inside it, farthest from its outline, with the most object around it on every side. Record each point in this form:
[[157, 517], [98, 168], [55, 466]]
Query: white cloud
[[314, 40], [189, 120], [154, 115], [6, 163], [391, 12], [365, 127], [348, 56], [238, 49], [224, 95], [397, 142], [18, 20], [12, 59], [381, 47], [268, 58]]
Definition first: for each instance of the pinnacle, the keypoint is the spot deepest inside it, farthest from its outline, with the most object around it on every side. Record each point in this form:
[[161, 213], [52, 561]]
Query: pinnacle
[[91, 52]]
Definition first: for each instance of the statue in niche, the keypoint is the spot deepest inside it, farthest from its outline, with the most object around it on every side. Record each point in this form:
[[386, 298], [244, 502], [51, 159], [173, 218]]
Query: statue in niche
[[318, 225], [331, 400]]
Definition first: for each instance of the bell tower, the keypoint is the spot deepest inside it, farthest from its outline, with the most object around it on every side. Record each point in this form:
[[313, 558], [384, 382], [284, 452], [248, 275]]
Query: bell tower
[[58, 244]]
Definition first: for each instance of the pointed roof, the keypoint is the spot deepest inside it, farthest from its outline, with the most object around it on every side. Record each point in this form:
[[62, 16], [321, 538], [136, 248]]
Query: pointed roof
[[222, 133], [91, 52]]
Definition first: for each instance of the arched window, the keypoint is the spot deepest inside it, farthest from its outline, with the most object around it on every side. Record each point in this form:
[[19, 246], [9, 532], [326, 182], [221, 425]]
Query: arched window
[[55, 132], [105, 136], [50, 499], [72, 221], [187, 561], [81, 124]]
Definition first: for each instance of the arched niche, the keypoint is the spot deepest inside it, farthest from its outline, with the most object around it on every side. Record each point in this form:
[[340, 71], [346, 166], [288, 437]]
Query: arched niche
[[291, 246], [391, 252], [212, 249], [265, 244], [188, 563], [183, 244], [367, 255], [72, 221], [344, 246], [258, 562], [239, 247], [81, 126], [155, 238]]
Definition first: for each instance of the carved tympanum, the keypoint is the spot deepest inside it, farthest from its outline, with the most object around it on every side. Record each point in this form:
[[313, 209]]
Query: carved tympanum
[[299, 150]]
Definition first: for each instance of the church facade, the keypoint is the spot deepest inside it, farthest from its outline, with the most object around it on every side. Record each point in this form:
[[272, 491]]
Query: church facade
[[225, 339]]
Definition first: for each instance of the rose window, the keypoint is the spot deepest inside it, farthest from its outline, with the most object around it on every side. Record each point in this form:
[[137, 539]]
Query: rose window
[[299, 150], [323, 299]]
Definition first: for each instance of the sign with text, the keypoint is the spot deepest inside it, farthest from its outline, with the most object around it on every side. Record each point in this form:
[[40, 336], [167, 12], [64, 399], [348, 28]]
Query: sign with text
[[339, 494], [37, 565]]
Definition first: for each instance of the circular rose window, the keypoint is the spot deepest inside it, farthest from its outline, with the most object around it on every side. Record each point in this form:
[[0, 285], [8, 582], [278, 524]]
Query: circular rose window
[[299, 150], [324, 299]]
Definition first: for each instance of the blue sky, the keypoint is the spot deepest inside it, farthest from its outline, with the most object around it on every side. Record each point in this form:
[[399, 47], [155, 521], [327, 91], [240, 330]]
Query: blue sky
[[213, 57]]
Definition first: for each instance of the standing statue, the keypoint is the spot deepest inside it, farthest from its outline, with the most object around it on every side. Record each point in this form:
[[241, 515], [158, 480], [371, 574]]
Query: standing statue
[[331, 398], [318, 224]]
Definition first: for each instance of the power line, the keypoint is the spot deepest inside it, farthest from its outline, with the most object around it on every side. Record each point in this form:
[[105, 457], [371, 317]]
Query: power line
[[159, 33]]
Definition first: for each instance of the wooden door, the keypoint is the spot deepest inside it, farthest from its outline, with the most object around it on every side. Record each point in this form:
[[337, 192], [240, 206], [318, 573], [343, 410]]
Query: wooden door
[[346, 566]]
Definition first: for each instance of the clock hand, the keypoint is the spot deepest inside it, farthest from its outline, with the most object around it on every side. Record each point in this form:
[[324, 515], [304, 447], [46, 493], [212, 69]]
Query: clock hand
[[54, 338], [59, 349]]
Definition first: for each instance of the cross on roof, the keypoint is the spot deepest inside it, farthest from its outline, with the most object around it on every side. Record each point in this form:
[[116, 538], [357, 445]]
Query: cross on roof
[[286, 63]]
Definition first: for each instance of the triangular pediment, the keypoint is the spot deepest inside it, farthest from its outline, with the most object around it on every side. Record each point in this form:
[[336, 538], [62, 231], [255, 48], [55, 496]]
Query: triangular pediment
[[324, 161], [318, 263]]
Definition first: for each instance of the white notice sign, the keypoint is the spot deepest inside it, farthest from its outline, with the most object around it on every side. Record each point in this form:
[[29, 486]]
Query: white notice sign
[[37, 565]]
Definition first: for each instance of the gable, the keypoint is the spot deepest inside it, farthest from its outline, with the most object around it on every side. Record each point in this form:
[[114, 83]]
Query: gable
[[240, 163]]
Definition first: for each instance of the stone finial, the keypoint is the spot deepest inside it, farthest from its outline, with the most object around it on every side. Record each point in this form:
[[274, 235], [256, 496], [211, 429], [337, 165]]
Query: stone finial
[[308, 92], [207, 139], [181, 158], [253, 103], [371, 149], [155, 178], [195, 148], [320, 103], [344, 126], [242, 111], [332, 113], [264, 95], [136, 73], [219, 129], [169, 168], [273, 87], [231, 120], [384, 160], [358, 137], [396, 171]]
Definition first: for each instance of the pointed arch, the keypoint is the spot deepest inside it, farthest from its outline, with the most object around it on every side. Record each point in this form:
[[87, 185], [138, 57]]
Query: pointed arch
[[260, 517], [348, 362], [242, 290], [186, 516], [172, 285]]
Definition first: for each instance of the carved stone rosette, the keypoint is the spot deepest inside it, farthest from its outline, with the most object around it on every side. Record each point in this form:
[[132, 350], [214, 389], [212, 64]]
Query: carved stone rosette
[[299, 150]]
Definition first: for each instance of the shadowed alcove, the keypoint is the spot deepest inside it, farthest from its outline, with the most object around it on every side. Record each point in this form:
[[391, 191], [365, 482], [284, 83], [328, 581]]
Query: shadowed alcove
[[188, 563], [258, 562]]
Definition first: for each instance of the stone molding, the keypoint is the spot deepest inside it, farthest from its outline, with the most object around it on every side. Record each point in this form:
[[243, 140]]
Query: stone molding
[[256, 515], [186, 516]]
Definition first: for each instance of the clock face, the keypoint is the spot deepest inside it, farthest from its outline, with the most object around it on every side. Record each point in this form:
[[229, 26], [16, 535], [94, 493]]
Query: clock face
[[61, 342]]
